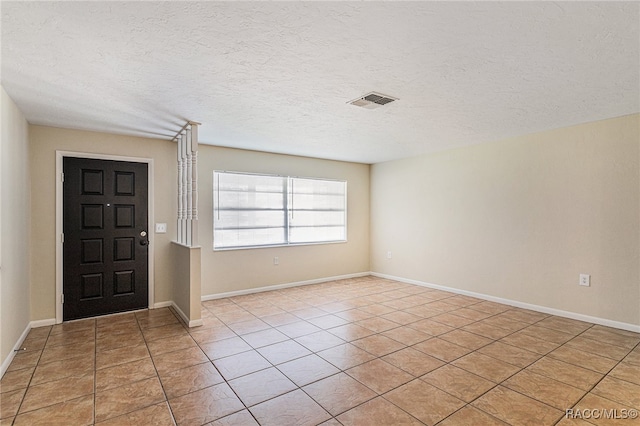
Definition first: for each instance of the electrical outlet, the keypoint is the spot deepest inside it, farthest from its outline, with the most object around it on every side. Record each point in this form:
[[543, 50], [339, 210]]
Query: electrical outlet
[[585, 280], [389, 254], [276, 261], [161, 228]]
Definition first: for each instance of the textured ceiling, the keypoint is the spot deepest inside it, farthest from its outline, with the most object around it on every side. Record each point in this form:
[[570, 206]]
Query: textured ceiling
[[277, 76]]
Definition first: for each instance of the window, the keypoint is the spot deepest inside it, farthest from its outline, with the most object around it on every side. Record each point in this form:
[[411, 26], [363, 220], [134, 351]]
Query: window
[[253, 210]]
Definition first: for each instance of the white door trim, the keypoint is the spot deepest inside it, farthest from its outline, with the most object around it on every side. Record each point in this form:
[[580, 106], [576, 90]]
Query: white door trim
[[59, 219]]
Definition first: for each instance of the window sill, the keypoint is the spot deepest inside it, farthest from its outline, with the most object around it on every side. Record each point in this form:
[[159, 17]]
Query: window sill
[[278, 245]]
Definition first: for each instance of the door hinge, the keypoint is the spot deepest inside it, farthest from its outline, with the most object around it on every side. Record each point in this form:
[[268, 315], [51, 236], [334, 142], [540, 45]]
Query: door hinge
[[62, 298], [62, 238], [62, 177]]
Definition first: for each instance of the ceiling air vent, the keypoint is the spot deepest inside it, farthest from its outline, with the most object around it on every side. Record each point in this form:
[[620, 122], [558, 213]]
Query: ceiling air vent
[[372, 100]]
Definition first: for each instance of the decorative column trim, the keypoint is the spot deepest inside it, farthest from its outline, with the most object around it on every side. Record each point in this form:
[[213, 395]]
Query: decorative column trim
[[187, 159]]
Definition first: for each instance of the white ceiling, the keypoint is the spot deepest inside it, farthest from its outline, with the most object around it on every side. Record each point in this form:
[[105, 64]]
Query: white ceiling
[[277, 76]]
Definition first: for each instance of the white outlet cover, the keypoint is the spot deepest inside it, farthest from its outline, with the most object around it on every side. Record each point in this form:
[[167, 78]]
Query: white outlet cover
[[585, 280]]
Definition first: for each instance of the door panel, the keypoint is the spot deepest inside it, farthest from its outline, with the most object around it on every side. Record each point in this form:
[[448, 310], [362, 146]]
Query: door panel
[[105, 237]]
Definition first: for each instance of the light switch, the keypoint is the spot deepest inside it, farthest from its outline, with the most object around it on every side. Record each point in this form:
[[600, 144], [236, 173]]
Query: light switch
[[161, 228]]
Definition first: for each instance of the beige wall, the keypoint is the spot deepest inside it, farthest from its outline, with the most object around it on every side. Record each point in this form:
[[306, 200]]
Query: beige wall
[[517, 219], [185, 273], [520, 219], [44, 143], [15, 213], [233, 270], [221, 271]]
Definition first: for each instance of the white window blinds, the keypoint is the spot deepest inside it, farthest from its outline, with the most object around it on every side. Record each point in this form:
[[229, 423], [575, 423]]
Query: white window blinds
[[318, 210], [253, 210]]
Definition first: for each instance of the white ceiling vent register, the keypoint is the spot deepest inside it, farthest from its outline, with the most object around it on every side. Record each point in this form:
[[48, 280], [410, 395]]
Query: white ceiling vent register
[[372, 100]]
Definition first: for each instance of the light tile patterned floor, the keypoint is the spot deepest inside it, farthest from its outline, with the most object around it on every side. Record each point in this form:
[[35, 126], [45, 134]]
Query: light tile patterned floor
[[364, 351]]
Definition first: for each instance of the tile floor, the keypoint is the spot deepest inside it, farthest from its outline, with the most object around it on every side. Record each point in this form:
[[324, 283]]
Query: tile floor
[[365, 351]]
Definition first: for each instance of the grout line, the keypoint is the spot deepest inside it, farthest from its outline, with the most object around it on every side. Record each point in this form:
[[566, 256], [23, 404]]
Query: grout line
[[605, 375], [317, 296], [35, 367], [146, 343]]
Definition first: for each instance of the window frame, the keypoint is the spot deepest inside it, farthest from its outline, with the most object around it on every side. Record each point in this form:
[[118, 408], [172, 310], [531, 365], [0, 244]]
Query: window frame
[[287, 192]]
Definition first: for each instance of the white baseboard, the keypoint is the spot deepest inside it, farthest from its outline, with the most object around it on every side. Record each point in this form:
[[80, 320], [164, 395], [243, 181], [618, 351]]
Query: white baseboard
[[517, 304], [185, 318], [43, 323], [281, 286], [16, 347]]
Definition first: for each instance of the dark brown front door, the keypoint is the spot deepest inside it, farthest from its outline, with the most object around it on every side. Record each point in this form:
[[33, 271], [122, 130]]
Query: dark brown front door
[[105, 237]]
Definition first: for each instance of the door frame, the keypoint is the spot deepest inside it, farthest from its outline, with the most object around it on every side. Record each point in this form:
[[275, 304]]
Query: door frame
[[60, 216]]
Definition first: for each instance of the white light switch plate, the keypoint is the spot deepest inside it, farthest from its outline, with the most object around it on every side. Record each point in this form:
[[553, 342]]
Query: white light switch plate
[[161, 228]]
